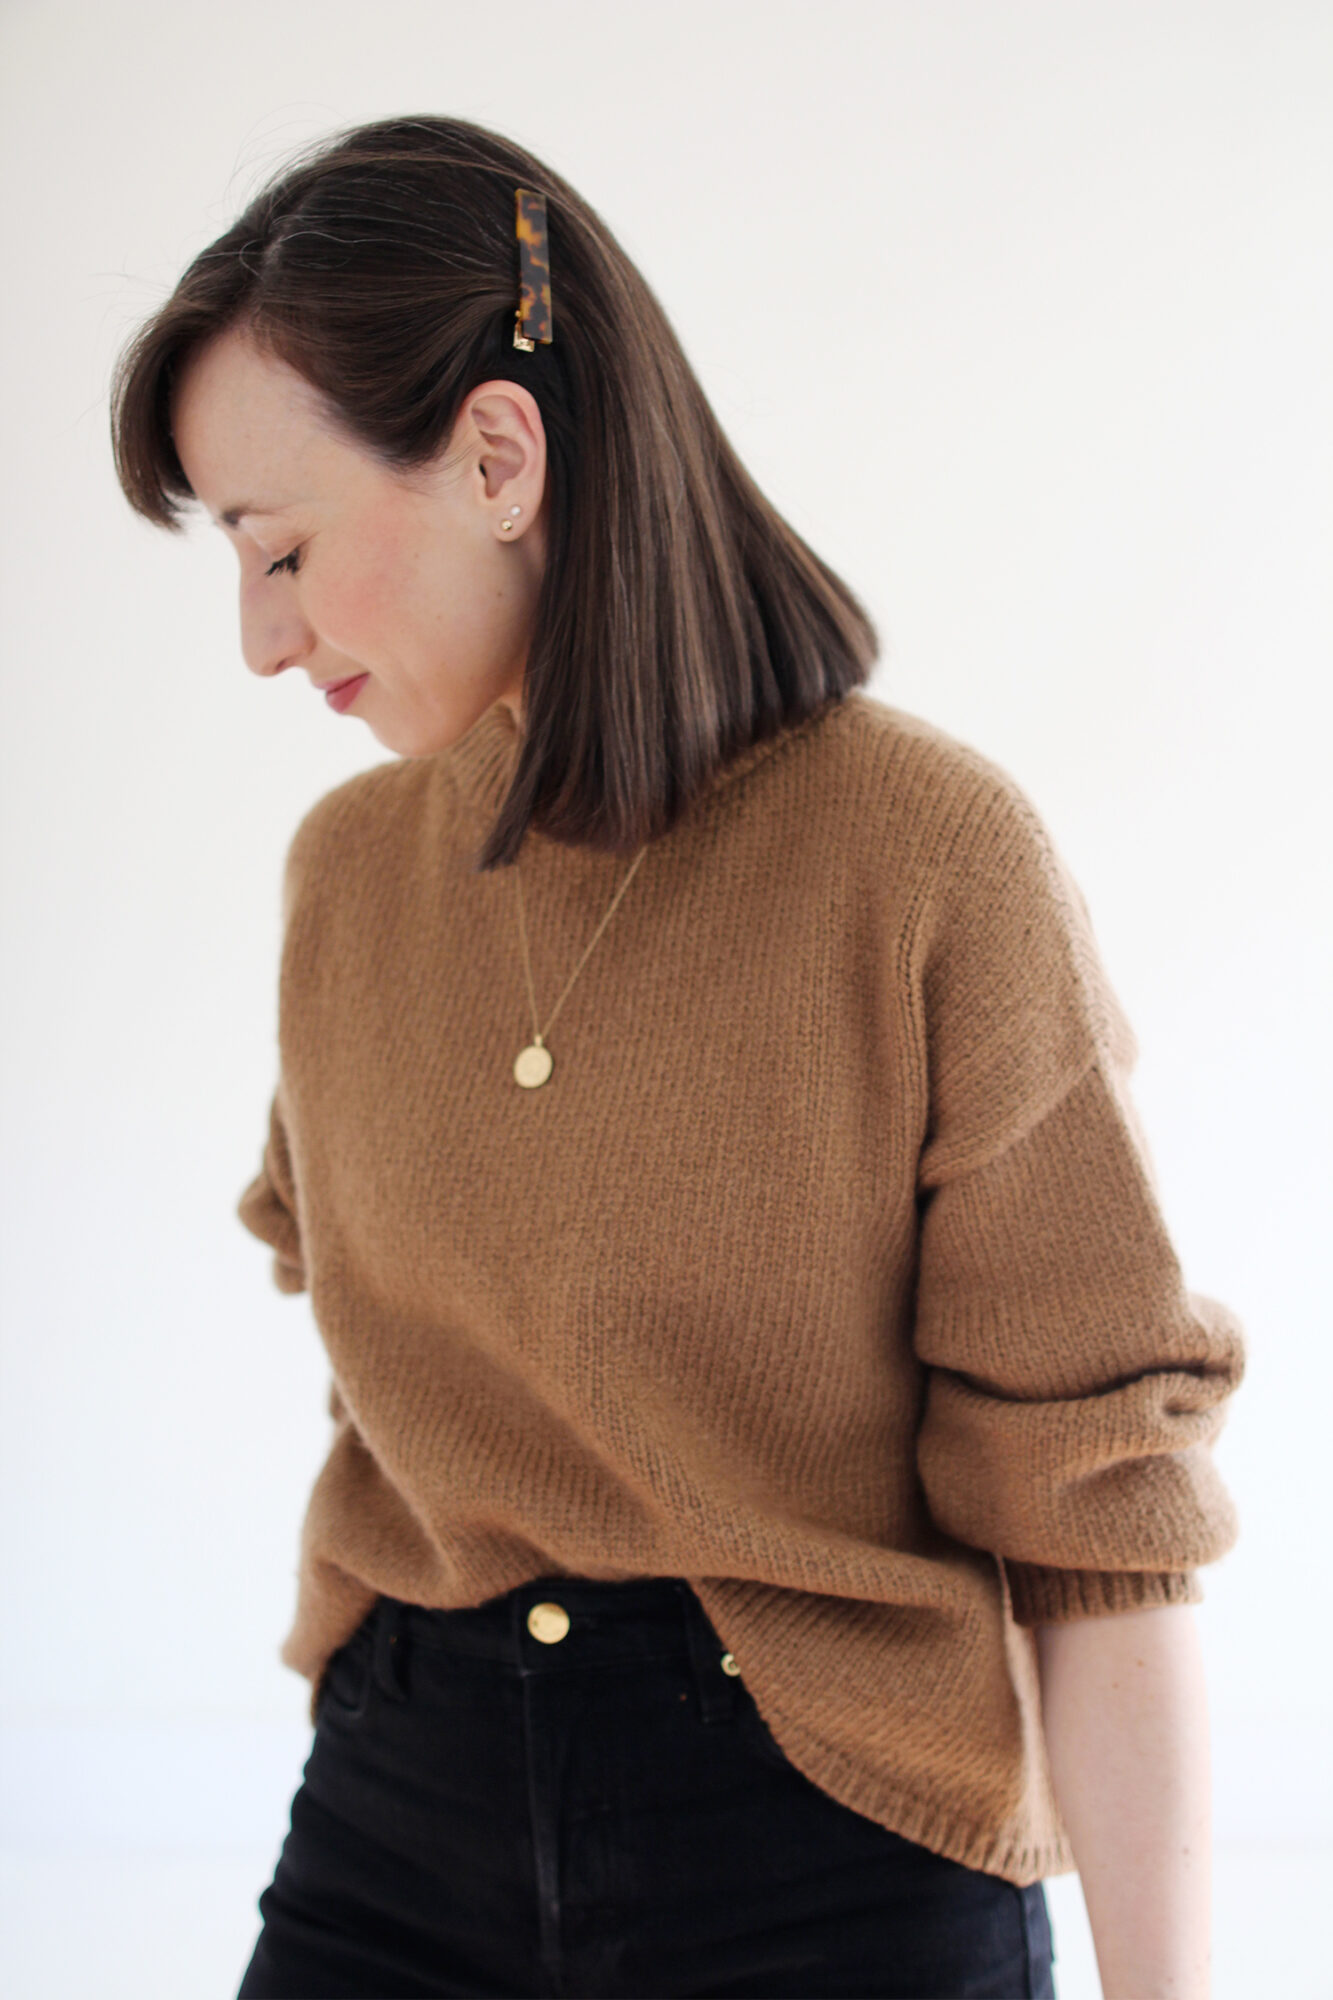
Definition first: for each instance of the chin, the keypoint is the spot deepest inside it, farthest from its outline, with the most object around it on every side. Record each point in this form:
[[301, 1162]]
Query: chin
[[392, 740], [423, 741]]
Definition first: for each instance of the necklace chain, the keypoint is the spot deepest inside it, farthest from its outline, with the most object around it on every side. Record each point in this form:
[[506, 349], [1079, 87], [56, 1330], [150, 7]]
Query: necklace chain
[[533, 1064]]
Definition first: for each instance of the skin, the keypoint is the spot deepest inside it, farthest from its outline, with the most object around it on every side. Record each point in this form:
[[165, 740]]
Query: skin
[[408, 578], [1125, 1716]]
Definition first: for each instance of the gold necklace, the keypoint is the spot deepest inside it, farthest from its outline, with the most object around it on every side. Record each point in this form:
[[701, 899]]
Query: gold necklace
[[533, 1064]]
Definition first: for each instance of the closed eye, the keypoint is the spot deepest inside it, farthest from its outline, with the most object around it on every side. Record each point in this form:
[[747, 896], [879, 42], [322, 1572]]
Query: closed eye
[[290, 563]]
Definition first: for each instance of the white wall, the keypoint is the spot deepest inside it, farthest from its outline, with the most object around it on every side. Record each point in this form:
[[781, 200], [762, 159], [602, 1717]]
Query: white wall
[[1022, 314]]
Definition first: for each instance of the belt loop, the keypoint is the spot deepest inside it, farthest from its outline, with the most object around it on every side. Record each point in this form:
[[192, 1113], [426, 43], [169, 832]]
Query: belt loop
[[716, 1690], [390, 1662]]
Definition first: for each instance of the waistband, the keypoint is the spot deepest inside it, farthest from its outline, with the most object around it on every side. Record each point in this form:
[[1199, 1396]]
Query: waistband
[[553, 1624]]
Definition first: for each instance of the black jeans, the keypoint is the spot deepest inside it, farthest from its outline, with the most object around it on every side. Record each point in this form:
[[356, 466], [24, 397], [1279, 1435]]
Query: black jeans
[[582, 1800]]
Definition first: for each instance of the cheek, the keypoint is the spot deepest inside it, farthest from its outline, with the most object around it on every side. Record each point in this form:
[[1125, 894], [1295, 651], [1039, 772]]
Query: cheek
[[349, 613], [363, 596], [408, 595]]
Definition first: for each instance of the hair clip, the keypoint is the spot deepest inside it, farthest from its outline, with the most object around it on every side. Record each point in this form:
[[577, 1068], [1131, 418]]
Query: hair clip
[[532, 321]]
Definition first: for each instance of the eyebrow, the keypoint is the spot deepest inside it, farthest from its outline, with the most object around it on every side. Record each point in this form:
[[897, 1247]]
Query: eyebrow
[[231, 517]]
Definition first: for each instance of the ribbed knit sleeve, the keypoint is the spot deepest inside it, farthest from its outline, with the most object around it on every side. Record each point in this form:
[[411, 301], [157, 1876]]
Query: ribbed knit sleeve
[[268, 1205], [1074, 1386]]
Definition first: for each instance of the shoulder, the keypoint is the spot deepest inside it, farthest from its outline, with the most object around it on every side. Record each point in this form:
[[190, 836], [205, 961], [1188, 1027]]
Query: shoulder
[[944, 802], [914, 746], [1001, 923]]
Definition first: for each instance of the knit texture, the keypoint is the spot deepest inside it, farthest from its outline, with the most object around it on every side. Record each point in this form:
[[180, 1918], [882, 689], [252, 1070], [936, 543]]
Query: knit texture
[[828, 1269]]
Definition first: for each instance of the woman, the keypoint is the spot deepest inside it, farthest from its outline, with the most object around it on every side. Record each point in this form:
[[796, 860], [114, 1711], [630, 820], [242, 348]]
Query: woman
[[772, 1439]]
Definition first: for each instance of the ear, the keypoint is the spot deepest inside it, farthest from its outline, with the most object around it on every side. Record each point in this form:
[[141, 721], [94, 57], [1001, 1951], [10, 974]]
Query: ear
[[510, 439]]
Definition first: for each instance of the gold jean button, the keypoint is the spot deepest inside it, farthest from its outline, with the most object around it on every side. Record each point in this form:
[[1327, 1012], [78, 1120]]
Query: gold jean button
[[548, 1622]]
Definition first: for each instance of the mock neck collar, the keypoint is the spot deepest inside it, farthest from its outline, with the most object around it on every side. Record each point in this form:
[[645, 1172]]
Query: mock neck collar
[[482, 762]]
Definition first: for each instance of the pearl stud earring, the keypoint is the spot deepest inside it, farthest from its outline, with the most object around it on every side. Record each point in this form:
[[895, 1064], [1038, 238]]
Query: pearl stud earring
[[513, 510]]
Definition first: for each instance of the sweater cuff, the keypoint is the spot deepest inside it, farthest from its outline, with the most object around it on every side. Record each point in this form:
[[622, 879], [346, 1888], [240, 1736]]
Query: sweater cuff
[[1041, 1596]]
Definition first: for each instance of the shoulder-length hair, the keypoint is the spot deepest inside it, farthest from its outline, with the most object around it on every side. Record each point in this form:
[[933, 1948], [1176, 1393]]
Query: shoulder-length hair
[[680, 618]]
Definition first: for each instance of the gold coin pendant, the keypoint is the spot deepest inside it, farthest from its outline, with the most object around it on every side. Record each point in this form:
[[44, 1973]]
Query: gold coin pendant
[[532, 1065]]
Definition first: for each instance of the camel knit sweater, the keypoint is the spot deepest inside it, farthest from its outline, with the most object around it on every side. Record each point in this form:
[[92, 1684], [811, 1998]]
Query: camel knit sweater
[[827, 1271]]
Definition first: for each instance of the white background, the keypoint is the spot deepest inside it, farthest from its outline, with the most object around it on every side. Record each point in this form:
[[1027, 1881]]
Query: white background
[[1021, 314]]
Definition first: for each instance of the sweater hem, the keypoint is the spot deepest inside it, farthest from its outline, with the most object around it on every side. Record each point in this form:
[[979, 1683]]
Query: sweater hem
[[941, 1828]]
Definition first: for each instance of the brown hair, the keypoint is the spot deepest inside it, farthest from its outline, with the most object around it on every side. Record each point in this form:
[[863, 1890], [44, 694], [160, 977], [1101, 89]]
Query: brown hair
[[680, 618]]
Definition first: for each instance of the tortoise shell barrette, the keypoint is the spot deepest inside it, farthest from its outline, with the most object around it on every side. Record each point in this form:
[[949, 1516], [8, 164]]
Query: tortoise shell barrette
[[532, 321]]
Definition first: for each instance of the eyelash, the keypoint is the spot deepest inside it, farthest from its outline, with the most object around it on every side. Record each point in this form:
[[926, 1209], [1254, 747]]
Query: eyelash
[[288, 562]]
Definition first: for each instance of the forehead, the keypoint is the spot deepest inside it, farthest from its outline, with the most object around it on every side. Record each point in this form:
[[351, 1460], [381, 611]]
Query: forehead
[[246, 429]]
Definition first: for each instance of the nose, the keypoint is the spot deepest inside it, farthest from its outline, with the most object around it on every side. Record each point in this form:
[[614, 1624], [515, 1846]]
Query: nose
[[271, 641]]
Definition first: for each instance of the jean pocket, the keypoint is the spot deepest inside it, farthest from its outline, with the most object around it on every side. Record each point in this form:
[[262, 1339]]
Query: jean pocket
[[348, 1677]]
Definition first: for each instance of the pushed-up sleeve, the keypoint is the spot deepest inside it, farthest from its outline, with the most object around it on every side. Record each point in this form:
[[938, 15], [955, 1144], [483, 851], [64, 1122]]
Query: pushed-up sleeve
[[268, 1205], [1074, 1387]]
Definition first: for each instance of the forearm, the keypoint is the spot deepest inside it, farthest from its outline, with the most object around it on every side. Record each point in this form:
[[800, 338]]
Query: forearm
[[1124, 1709]]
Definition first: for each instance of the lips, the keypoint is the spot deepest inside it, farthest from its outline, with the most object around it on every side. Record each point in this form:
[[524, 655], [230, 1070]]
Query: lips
[[328, 687]]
